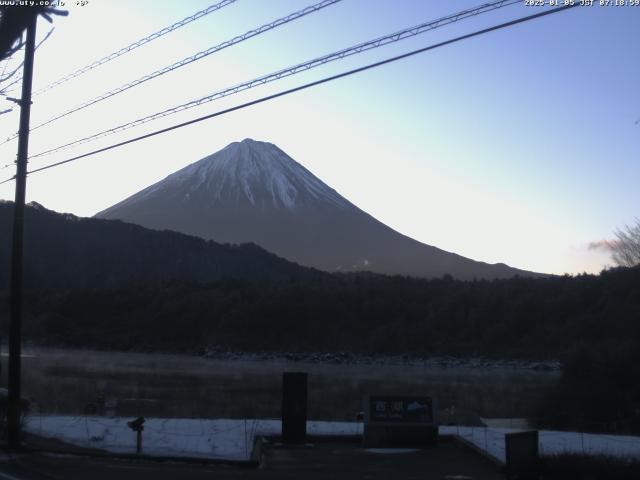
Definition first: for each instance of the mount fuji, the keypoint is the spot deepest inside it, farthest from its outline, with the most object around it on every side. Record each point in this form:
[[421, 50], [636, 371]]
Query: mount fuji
[[252, 191]]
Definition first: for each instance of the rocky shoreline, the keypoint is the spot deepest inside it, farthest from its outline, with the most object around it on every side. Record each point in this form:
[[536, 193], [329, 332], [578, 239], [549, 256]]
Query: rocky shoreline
[[345, 358]]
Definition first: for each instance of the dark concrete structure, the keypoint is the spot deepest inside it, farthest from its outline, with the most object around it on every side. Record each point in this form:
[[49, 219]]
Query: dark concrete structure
[[294, 407], [522, 455]]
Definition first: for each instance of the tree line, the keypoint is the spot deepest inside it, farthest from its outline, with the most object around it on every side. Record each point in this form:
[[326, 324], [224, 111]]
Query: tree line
[[535, 318]]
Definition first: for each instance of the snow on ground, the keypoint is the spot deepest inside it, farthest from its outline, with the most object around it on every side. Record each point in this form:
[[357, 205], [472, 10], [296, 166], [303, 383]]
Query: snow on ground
[[233, 439], [491, 440], [176, 437]]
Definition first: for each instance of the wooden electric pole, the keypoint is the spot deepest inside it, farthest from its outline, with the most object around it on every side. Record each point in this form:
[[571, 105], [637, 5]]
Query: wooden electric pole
[[15, 294]]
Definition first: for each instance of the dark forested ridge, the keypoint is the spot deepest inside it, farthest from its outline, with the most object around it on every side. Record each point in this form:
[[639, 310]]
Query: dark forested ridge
[[366, 314], [111, 285], [63, 251]]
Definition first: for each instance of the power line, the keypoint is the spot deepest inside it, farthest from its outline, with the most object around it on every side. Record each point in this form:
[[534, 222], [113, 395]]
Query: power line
[[185, 61], [136, 44], [316, 62], [305, 86]]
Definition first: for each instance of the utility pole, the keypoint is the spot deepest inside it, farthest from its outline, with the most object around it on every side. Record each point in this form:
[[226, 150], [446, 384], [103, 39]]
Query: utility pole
[[15, 295]]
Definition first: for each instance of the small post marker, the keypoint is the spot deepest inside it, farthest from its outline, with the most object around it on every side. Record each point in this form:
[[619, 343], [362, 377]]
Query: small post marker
[[137, 426]]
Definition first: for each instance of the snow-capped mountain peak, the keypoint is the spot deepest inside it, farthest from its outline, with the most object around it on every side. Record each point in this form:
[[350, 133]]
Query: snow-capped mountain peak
[[255, 172], [252, 191]]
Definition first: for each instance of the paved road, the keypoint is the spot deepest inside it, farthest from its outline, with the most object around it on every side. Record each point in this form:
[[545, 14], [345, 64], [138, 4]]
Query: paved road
[[324, 460]]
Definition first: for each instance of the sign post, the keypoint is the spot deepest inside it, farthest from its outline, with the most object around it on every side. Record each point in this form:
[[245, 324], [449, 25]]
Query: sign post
[[137, 426]]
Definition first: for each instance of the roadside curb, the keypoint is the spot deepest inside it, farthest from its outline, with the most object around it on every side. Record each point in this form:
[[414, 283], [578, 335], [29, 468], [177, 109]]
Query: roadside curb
[[146, 458]]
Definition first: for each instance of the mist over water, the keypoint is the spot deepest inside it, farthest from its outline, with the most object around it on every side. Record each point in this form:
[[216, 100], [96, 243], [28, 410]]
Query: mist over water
[[157, 385]]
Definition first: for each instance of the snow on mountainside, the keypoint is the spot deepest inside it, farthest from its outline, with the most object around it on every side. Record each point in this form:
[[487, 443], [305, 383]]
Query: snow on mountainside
[[252, 191], [257, 172]]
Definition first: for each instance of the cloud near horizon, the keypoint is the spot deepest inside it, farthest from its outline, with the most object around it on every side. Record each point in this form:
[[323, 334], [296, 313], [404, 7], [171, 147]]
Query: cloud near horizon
[[602, 245]]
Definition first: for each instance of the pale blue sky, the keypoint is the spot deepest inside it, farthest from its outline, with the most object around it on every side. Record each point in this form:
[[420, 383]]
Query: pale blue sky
[[520, 146]]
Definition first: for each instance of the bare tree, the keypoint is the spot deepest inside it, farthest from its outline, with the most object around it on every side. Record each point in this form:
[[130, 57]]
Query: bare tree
[[13, 21], [625, 249]]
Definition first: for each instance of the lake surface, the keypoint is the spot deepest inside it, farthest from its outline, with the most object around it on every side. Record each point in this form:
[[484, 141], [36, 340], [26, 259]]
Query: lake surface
[[59, 381]]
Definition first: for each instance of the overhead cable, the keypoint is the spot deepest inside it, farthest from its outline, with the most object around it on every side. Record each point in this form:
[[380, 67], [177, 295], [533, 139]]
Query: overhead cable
[[305, 86], [136, 44], [186, 61], [316, 62]]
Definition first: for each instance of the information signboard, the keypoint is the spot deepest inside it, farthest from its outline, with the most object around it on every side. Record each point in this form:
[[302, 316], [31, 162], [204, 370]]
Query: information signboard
[[400, 421], [401, 409]]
